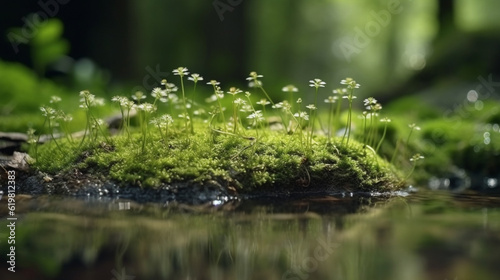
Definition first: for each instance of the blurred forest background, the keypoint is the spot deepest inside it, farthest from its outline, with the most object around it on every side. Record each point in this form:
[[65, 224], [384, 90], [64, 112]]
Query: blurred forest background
[[390, 47]]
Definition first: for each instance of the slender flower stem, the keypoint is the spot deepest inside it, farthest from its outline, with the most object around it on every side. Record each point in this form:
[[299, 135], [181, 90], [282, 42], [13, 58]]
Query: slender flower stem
[[330, 123], [349, 118], [269, 98], [186, 114], [386, 121], [52, 135], [395, 151], [364, 129], [313, 116]]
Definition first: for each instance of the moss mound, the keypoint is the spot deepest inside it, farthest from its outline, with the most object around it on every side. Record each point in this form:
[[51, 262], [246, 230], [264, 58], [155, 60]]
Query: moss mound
[[271, 162]]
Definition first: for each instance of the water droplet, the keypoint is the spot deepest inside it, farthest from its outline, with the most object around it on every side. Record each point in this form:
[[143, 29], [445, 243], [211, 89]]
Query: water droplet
[[216, 202], [472, 96], [492, 183], [487, 141]]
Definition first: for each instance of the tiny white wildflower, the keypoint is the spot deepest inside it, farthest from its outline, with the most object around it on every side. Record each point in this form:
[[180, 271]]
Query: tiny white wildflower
[[369, 101], [414, 126], [290, 88], [180, 71], [350, 83], [213, 83], [302, 115], [239, 101], [263, 102], [317, 83], [254, 76], [416, 157], [234, 91], [195, 77], [331, 99], [55, 99], [138, 95]]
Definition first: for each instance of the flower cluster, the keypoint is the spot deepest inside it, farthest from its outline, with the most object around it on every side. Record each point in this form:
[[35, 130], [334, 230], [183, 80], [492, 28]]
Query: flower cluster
[[168, 111]]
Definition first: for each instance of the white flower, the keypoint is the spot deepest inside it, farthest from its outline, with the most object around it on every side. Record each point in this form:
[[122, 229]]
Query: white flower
[[138, 95], [211, 99], [302, 115], [340, 91], [317, 83], [416, 157], [184, 116], [331, 99], [129, 104], [173, 98], [414, 126], [120, 99], [350, 83], [239, 101], [254, 84], [146, 107], [199, 112], [311, 107], [55, 99], [89, 100], [263, 102], [219, 92], [48, 112], [256, 116], [278, 105], [213, 83], [254, 76], [374, 108], [233, 91], [98, 123], [195, 77], [246, 108], [158, 93], [167, 119], [181, 71], [350, 97], [369, 101], [290, 88], [64, 117]]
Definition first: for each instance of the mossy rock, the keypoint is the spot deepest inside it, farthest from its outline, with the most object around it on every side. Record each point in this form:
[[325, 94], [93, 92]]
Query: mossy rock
[[273, 163]]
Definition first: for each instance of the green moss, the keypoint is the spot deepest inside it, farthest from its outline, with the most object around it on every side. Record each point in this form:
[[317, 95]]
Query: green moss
[[273, 162], [473, 146]]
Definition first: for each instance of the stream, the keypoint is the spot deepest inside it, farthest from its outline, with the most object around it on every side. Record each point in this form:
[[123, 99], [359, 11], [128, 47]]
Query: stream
[[419, 235]]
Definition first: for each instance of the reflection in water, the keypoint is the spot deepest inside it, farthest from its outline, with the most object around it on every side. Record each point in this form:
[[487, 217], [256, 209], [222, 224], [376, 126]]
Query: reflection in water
[[425, 236]]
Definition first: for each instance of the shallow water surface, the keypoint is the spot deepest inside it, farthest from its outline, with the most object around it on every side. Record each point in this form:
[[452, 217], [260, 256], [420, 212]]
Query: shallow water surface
[[429, 235]]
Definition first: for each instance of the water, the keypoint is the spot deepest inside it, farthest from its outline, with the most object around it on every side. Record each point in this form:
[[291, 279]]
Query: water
[[426, 235]]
